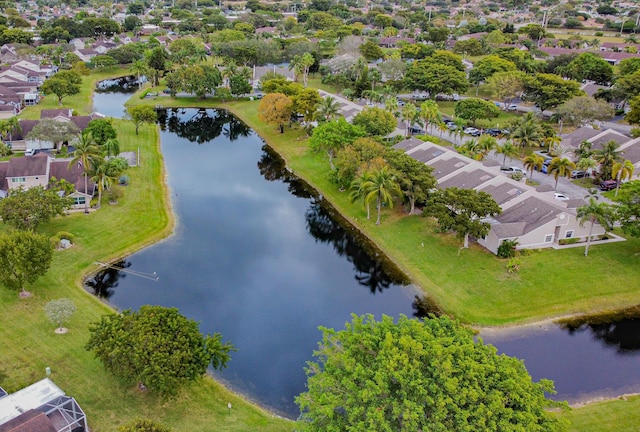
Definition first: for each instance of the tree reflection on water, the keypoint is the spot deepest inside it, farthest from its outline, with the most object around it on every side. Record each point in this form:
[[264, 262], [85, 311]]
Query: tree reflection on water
[[203, 125], [106, 281], [621, 334]]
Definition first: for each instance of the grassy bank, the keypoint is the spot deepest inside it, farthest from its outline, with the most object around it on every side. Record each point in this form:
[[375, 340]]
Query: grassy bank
[[29, 344]]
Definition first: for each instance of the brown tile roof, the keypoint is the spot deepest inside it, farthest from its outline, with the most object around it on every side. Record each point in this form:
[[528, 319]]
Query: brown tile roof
[[74, 174], [29, 421], [53, 113], [25, 127], [27, 166]]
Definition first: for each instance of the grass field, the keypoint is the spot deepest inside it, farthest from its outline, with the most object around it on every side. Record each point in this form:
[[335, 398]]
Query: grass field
[[29, 345]]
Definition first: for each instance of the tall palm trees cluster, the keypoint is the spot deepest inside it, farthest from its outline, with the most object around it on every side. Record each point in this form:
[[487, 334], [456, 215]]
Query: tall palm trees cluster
[[98, 163]]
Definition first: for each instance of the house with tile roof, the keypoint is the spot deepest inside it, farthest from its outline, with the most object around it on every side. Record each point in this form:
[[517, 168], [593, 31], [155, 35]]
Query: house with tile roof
[[529, 215]]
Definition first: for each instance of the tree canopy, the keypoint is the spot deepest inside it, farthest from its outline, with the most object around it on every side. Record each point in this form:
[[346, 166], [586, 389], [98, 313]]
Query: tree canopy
[[26, 209], [462, 211], [140, 114], [157, 347], [476, 108], [418, 375], [333, 136], [375, 121], [435, 78], [24, 257], [64, 83], [275, 108], [549, 90]]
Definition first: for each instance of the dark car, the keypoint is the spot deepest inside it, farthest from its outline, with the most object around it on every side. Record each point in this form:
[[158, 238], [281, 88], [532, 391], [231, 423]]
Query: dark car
[[494, 132], [608, 185], [576, 174], [415, 130]]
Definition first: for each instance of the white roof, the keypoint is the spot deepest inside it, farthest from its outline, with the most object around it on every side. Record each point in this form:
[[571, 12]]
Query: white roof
[[32, 397]]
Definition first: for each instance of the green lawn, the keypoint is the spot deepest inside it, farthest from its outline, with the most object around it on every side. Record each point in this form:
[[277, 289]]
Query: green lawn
[[501, 121], [29, 344], [619, 415]]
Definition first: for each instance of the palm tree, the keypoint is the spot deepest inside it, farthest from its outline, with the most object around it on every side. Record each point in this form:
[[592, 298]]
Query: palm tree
[[112, 147], [470, 149], [583, 150], [328, 109], [486, 144], [296, 66], [408, 115], [560, 167], [508, 150], [429, 113], [358, 190], [593, 212], [86, 152], [606, 157], [533, 162], [551, 141], [104, 173], [586, 164], [382, 186], [460, 123], [622, 171], [391, 105], [375, 76], [140, 68], [527, 131]]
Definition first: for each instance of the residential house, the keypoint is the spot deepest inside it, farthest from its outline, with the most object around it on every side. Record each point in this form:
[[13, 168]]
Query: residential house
[[39, 170], [530, 216], [41, 407]]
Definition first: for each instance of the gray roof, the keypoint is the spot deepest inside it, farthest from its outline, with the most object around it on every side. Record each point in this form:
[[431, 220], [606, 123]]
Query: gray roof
[[576, 137], [443, 167], [426, 154], [408, 144], [544, 188], [532, 212], [608, 136], [60, 169], [632, 153], [4, 166], [467, 180], [503, 192]]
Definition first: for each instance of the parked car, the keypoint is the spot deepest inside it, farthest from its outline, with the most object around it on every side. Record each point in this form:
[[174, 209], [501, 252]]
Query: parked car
[[608, 185], [513, 169], [472, 131], [30, 152], [512, 107], [494, 132], [451, 126], [415, 130], [545, 166], [575, 174], [401, 103], [561, 197], [419, 96]]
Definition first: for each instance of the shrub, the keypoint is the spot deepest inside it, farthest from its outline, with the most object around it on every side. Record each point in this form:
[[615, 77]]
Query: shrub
[[513, 266], [143, 425], [507, 248], [568, 241], [55, 242], [599, 34], [114, 194], [65, 235], [5, 150]]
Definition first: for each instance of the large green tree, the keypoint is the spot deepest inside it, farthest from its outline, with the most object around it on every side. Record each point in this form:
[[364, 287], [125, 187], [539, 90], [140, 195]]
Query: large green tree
[[589, 66], [488, 66], [415, 375], [375, 121], [101, 130], [550, 90], [462, 211], [584, 109], [24, 257], [333, 136], [606, 156], [435, 78], [64, 83], [506, 86], [54, 131], [26, 209], [157, 347], [413, 177], [476, 108], [140, 114], [276, 108]]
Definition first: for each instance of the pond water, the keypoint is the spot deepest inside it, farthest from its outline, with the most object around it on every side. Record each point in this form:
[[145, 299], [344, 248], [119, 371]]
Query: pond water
[[110, 95], [258, 257], [255, 256]]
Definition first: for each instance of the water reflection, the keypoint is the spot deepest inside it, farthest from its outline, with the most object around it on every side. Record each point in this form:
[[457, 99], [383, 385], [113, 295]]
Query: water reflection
[[126, 84], [201, 126], [105, 282], [621, 334]]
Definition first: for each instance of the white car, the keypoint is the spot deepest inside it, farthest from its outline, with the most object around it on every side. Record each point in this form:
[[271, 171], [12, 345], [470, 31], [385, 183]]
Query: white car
[[29, 152], [561, 197], [513, 169]]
